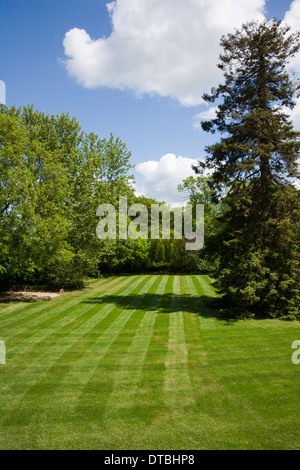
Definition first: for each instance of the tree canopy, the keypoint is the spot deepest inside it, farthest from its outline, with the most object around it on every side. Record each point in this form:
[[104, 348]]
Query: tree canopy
[[253, 165], [53, 177]]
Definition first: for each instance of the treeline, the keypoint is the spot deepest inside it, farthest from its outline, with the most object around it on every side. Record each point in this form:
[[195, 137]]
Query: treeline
[[53, 178]]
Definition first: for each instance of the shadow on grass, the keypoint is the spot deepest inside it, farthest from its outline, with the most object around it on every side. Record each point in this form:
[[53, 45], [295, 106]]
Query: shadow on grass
[[203, 306]]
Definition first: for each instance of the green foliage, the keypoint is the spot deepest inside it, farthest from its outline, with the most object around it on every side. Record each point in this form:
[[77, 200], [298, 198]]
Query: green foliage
[[259, 138], [257, 236], [33, 187], [124, 256], [53, 178], [259, 271], [199, 191]]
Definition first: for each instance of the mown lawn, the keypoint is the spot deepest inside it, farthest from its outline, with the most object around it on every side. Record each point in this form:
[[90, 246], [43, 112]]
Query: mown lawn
[[140, 363]]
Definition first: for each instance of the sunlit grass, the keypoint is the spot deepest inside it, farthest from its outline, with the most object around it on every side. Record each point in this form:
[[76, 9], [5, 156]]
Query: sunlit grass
[[141, 362]]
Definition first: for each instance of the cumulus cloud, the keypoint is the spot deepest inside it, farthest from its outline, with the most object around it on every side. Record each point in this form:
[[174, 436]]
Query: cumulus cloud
[[2, 92], [167, 47], [161, 178], [292, 18], [204, 116]]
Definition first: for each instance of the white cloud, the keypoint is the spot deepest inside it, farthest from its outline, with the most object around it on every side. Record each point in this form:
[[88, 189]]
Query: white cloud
[[162, 177], [295, 114], [204, 116], [167, 47], [292, 18], [2, 92]]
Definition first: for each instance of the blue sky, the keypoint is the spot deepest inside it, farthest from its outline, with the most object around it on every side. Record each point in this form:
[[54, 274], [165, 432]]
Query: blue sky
[[140, 83]]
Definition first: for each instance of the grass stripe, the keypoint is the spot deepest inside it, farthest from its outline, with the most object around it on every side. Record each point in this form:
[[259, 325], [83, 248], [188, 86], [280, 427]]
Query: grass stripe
[[55, 305], [55, 320], [20, 307], [75, 377], [44, 379], [178, 387], [207, 289], [149, 402], [197, 354], [127, 378], [56, 330], [106, 340], [46, 362], [197, 287], [60, 341], [142, 362]]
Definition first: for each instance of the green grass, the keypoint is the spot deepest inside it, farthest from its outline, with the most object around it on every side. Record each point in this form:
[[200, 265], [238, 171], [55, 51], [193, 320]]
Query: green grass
[[141, 363]]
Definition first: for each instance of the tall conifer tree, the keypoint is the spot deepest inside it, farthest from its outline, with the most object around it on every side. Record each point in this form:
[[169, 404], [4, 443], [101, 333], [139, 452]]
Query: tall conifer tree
[[253, 164]]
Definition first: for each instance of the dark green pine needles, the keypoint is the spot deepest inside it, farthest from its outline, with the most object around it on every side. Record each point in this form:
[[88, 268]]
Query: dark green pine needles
[[253, 166]]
